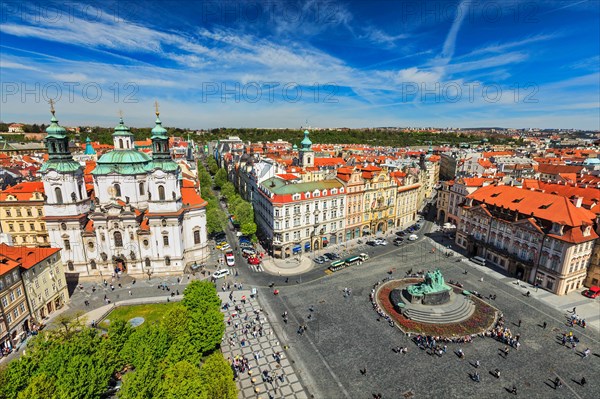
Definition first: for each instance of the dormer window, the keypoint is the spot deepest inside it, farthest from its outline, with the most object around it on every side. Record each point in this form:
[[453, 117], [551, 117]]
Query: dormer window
[[307, 195], [334, 191], [296, 197], [324, 192]]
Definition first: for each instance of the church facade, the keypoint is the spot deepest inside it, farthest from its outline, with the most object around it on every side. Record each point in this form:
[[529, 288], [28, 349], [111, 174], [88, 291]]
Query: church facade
[[140, 216]]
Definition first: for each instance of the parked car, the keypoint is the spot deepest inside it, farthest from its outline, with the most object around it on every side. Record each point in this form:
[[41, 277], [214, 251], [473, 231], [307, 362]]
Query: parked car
[[222, 244], [248, 252], [413, 237], [220, 273], [381, 241], [592, 292], [372, 243], [398, 239], [246, 245], [332, 256], [321, 259], [400, 233]]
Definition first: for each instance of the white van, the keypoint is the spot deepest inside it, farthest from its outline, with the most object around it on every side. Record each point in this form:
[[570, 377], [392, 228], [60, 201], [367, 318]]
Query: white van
[[413, 237], [363, 256], [479, 260]]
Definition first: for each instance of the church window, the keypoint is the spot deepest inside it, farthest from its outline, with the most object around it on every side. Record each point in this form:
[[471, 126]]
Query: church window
[[67, 245], [161, 193], [196, 236], [127, 143], [147, 262], [91, 245], [79, 189], [166, 240], [121, 143], [141, 188], [118, 239], [58, 195], [93, 264], [117, 190], [145, 243], [70, 266], [167, 261], [63, 226], [308, 160]]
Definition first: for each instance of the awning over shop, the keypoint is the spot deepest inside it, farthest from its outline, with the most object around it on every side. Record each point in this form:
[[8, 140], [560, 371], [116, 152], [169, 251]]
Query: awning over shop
[[307, 245], [297, 248]]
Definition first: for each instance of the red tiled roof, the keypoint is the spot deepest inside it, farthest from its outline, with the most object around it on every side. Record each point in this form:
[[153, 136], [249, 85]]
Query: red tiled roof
[[541, 205], [27, 257], [23, 191], [287, 176]]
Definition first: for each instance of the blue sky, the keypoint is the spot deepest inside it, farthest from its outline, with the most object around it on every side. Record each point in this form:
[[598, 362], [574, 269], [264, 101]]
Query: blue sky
[[515, 63]]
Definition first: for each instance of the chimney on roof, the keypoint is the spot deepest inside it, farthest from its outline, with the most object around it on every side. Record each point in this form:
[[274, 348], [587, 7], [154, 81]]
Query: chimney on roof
[[577, 200]]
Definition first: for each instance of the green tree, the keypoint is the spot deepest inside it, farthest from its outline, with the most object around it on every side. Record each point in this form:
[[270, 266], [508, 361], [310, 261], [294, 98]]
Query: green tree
[[141, 383], [215, 220], [201, 296], [220, 178], [40, 386], [217, 378], [248, 229], [206, 329], [182, 381], [227, 190], [243, 212]]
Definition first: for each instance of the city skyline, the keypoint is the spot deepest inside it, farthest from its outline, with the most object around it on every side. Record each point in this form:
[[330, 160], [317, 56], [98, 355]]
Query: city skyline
[[460, 64]]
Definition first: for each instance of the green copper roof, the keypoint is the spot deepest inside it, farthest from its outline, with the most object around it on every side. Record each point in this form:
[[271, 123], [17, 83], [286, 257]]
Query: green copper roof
[[295, 147], [55, 130], [159, 131], [167, 166], [125, 162], [306, 143], [122, 130], [280, 186], [60, 166]]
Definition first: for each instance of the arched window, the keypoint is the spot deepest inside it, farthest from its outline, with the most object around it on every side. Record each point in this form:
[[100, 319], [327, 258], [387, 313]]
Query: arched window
[[161, 193], [141, 188], [196, 236], [70, 266], [167, 261], [93, 264], [147, 262], [121, 143], [127, 143], [58, 195], [118, 239], [166, 240], [117, 190]]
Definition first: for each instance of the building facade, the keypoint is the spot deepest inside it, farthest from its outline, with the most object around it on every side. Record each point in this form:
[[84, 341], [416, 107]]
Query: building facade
[[43, 278], [14, 311], [22, 213], [299, 217], [541, 238]]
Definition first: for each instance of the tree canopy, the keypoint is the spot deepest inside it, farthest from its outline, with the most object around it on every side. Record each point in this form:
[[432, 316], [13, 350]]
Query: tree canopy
[[174, 358]]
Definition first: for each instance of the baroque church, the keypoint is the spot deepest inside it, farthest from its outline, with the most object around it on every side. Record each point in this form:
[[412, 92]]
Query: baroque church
[[140, 216]]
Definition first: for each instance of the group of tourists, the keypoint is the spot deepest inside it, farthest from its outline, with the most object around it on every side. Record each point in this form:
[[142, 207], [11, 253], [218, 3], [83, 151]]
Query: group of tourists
[[376, 306], [500, 332], [248, 327]]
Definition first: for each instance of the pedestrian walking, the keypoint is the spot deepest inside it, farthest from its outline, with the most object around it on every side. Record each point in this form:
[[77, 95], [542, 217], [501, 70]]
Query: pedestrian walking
[[586, 352], [583, 381], [130, 294], [544, 325], [514, 390], [519, 322]]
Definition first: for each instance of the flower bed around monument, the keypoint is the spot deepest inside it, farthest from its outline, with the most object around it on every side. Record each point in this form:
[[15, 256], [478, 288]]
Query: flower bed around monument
[[482, 318]]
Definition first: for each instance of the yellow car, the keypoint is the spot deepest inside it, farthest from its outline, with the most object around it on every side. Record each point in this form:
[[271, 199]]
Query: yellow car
[[222, 244]]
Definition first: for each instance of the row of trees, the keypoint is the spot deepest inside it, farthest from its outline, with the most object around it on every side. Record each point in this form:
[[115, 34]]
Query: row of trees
[[241, 210], [176, 358]]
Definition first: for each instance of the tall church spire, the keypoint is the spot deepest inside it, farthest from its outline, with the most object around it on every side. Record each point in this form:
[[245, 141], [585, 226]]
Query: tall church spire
[[57, 143], [160, 139]]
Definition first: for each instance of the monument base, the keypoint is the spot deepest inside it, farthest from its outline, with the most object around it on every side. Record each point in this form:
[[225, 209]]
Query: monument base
[[436, 298]]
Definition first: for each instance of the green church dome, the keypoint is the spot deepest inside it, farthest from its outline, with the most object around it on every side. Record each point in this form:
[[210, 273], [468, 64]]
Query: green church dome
[[125, 162], [122, 130], [55, 130]]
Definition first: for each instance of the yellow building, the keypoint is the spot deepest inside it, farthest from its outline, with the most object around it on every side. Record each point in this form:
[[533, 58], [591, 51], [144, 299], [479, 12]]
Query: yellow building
[[22, 212], [43, 277], [379, 200]]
